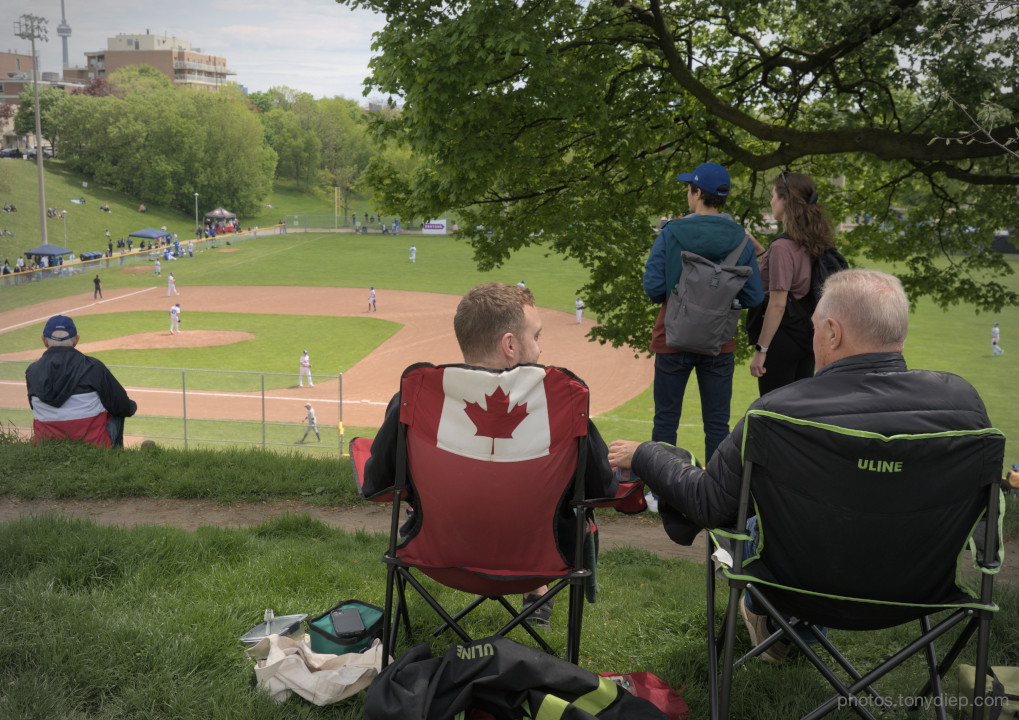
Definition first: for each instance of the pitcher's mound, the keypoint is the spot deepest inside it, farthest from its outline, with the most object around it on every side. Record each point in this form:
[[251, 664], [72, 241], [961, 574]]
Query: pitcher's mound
[[185, 338]]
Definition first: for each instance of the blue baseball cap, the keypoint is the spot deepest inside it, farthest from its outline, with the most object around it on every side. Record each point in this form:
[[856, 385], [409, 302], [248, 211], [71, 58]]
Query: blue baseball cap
[[1015, 466], [709, 177], [59, 327]]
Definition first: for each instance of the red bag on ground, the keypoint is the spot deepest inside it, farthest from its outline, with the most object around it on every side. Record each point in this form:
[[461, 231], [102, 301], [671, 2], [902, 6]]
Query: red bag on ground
[[651, 687]]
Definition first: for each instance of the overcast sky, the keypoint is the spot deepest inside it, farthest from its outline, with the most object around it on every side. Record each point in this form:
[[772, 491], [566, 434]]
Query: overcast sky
[[315, 46]]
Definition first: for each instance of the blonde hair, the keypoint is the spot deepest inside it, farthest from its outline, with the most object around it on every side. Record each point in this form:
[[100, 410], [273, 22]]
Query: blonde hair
[[485, 314], [870, 302]]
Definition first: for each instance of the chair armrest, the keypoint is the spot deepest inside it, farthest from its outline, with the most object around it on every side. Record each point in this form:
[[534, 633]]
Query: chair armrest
[[629, 498]]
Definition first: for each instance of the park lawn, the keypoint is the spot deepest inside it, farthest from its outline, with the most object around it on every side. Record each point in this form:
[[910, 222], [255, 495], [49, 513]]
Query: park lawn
[[113, 622], [86, 224]]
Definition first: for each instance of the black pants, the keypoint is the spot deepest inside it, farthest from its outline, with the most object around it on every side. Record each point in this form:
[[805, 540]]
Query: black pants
[[786, 361], [790, 354]]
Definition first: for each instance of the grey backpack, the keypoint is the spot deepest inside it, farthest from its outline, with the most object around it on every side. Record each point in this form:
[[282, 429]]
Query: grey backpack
[[702, 313]]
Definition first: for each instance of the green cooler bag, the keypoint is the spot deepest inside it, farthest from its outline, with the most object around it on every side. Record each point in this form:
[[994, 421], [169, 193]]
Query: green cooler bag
[[325, 638], [1002, 683]]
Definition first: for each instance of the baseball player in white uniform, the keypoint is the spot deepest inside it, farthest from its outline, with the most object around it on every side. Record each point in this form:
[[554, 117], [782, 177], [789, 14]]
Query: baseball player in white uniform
[[171, 286], [157, 272], [413, 252], [305, 371], [310, 419], [580, 309], [995, 336], [371, 299], [175, 319]]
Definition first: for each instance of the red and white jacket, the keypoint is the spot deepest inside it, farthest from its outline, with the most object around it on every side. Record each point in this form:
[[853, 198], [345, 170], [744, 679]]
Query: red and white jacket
[[75, 396]]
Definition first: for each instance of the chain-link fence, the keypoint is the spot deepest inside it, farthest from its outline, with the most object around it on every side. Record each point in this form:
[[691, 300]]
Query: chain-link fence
[[370, 224], [89, 262], [208, 408]]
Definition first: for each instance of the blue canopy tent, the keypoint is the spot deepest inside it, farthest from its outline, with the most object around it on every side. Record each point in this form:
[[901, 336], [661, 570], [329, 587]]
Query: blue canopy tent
[[151, 234], [48, 250]]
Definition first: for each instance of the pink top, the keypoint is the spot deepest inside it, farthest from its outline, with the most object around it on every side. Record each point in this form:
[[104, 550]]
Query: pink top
[[786, 266]]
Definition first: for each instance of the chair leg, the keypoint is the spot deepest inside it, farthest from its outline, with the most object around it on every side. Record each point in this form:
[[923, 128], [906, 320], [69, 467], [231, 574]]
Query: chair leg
[[731, 613], [519, 620], [712, 640], [575, 622], [983, 642], [932, 667], [460, 615], [881, 670], [402, 609], [440, 611], [953, 653], [388, 622]]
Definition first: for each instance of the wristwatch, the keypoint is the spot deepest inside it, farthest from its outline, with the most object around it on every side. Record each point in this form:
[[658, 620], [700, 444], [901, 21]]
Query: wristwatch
[[761, 348]]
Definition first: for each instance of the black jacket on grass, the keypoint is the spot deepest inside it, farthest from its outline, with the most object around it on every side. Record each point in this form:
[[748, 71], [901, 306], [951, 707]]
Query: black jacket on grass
[[501, 677]]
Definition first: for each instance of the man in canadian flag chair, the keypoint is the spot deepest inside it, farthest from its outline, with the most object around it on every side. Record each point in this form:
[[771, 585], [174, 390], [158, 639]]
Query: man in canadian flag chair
[[497, 459]]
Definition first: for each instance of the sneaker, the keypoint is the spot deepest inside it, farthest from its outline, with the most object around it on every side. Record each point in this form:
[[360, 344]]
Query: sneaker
[[757, 626], [652, 501], [542, 616]]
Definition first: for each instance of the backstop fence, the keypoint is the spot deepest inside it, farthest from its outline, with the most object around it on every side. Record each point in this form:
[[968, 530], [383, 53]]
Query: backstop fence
[[209, 408]]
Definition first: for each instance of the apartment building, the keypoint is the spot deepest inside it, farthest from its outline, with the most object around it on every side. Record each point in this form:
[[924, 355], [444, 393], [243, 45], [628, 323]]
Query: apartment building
[[171, 56]]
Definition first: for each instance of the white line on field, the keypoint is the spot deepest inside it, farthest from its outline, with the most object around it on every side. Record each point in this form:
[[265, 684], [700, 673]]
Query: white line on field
[[71, 310]]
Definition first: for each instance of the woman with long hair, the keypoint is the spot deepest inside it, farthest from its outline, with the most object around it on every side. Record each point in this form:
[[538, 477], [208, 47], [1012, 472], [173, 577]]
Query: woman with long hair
[[780, 327]]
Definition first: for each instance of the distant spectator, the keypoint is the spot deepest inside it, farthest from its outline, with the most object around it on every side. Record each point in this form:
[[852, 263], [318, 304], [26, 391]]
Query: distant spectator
[[72, 395]]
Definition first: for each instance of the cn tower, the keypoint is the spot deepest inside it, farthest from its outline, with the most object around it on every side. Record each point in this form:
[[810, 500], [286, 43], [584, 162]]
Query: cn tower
[[64, 31]]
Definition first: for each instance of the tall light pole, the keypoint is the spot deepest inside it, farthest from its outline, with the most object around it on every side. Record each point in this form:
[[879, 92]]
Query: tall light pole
[[31, 27], [196, 213]]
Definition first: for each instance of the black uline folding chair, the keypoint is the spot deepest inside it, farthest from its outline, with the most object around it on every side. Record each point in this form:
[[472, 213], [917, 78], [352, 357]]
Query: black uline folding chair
[[859, 531]]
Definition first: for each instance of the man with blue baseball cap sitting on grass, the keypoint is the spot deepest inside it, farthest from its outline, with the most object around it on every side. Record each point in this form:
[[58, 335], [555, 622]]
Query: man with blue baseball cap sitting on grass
[[73, 395]]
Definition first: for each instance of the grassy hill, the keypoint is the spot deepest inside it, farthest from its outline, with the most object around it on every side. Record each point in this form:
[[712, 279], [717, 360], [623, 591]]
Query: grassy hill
[[86, 224]]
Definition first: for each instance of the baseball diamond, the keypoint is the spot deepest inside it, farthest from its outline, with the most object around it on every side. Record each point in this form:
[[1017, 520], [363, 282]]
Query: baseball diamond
[[613, 374]]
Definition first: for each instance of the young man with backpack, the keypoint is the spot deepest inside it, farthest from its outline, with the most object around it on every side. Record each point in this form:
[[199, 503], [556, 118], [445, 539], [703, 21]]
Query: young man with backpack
[[712, 235]]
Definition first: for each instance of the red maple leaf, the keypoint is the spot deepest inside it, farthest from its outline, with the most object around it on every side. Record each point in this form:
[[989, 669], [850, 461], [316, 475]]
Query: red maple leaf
[[498, 421]]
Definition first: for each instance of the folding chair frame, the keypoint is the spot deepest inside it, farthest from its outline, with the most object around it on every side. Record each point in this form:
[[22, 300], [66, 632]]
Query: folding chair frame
[[979, 621], [399, 575]]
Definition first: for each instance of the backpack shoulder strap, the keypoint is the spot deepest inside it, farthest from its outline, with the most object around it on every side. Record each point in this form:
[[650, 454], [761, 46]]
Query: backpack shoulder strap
[[732, 257]]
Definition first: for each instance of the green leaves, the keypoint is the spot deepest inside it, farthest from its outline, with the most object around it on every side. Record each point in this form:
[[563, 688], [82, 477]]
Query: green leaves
[[164, 143], [565, 125]]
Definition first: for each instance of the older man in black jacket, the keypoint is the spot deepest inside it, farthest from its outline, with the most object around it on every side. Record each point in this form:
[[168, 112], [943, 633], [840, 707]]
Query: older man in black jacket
[[861, 383]]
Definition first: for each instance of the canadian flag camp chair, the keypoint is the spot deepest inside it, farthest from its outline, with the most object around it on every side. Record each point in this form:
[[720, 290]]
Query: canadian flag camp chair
[[494, 462], [859, 532]]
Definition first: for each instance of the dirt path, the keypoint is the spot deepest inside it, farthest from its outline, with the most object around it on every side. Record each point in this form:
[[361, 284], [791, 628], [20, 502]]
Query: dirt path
[[640, 531], [613, 375]]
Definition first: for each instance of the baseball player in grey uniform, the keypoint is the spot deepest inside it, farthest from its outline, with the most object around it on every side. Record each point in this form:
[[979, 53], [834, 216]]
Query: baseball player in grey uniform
[[310, 419]]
